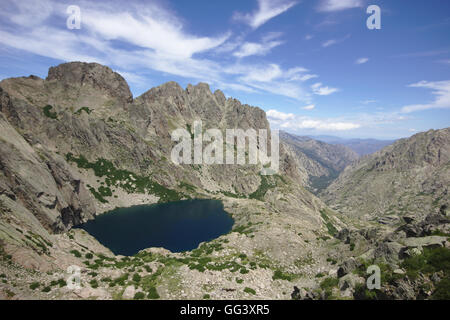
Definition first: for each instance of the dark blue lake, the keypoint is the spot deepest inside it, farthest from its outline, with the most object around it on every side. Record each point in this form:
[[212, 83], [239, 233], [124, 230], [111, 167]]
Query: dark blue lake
[[177, 226]]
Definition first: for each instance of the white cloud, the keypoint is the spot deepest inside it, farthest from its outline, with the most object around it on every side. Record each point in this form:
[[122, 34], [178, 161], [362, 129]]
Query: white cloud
[[134, 78], [274, 79], [361, 60], [20, 12], [321, 90], [309, 107], [149, 29], [338, 5], [153, 38], [368, 101], [277, 115], [329, 43], [293, 122], [259, 49], [267, 9], [309, 37], [441, 89]]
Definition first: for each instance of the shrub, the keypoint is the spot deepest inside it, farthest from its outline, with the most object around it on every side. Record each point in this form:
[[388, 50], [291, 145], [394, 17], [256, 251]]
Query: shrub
[[34, 285], [206, 297], [329, 283], [61, 282], [85, 109], [139, 296], [249, 290], [442, 291], [48, 113], [76, 253], [46, 289], [93, 283], [320, 275], [136, 277], [152, 293], [278, 274], [89, 255]]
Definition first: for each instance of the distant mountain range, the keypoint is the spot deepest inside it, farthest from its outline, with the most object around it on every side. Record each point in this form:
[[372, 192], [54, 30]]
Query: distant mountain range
[[361, 146]]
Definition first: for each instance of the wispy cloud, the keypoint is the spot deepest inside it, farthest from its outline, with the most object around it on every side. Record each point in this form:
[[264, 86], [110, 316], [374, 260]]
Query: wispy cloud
[[289, 121], [338, 5], [152, 38], [321, 90], [331, 42], [361, 60], [368, 101], [267, 9], [269, 42], [441, 91], [309, 107], [278, 115]]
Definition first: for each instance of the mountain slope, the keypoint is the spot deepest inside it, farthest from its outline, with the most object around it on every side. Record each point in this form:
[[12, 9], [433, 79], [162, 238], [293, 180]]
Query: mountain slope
[[77, 144], [319, 162], [411, 176]]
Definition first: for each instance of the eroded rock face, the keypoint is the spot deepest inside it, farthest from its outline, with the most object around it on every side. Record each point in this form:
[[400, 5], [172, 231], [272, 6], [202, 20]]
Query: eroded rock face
[[410, 177], [79, 74]]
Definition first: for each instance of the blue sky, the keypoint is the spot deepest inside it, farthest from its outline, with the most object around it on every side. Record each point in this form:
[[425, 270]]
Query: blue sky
[[312, 65]]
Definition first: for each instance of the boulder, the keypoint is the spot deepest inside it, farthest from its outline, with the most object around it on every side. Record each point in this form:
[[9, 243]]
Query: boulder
[[389, 252], [301, 294], [129, 292], [347, 267], [424, 242], [349, 281]]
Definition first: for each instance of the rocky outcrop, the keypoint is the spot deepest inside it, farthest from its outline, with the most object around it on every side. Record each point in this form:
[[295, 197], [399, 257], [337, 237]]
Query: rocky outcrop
[[409, 177], [74, 75], [412, 266]]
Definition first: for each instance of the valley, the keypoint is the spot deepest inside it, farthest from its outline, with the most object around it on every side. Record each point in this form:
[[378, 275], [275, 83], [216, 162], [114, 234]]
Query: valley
[[77, 145]]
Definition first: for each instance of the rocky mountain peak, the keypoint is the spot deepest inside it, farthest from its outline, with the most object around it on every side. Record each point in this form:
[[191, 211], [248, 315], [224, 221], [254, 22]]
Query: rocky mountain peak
[[200, 87], [91, 74]]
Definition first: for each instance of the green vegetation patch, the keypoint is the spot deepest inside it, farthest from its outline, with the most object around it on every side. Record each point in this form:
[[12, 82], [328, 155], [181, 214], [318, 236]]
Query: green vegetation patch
[[85, 109], [280, 275], [249, 290], [49, 113], [127, 180], [264, 186], [331, 229]]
